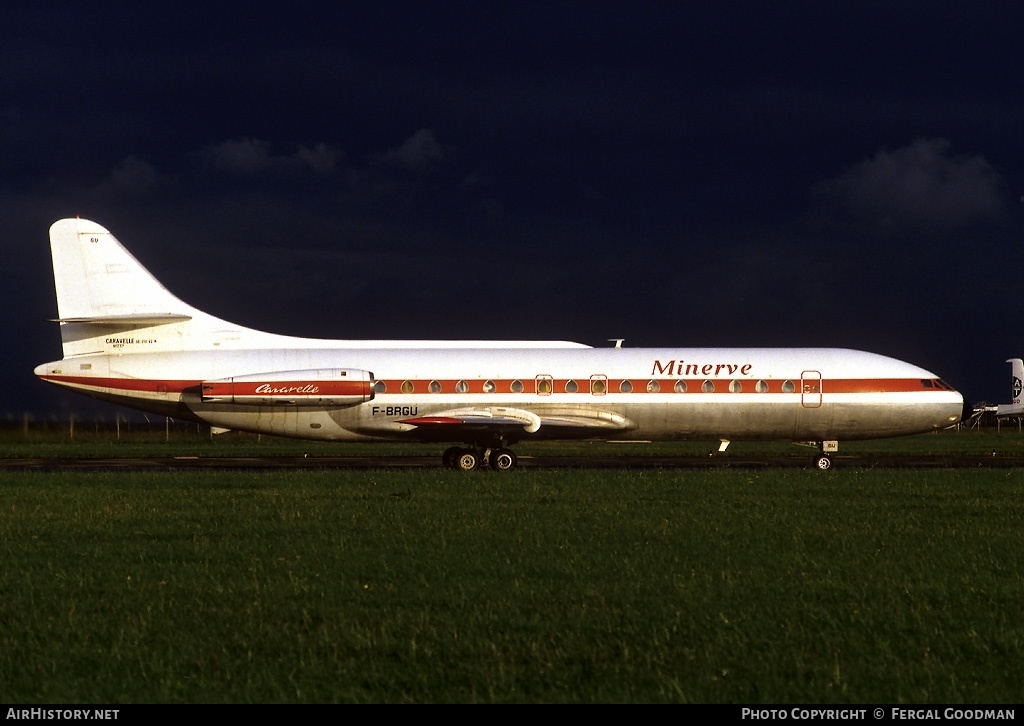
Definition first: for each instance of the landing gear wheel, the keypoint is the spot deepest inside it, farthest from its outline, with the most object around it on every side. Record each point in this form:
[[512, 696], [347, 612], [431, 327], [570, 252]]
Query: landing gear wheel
[[467, 460], [823, 462], [503, 460], [448, 457]]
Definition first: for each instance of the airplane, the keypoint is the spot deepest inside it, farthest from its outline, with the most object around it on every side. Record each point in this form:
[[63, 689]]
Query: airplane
[[1015, 407], [128, 340]]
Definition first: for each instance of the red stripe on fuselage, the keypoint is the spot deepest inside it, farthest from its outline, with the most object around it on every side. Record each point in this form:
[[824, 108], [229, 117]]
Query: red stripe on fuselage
[[663, 385], [142, 385], [504, 386]]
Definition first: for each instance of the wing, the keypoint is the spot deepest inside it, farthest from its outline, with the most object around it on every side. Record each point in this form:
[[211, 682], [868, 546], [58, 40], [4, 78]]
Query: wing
[[503, 421]]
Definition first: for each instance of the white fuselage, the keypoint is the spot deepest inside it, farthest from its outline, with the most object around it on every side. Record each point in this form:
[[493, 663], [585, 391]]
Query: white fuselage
[[800, 394]]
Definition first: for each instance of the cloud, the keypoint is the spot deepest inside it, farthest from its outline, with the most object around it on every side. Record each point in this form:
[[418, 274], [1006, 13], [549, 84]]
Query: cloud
[[253, 157], [420, 151], [135, 176], [321, 158], [920, 186]]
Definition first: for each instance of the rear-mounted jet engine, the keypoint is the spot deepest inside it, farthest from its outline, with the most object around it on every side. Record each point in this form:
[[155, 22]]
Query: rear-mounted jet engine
[[335, 387]]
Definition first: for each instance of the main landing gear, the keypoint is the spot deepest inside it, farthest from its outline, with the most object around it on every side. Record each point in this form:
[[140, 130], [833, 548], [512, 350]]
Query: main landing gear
[[471, 459]]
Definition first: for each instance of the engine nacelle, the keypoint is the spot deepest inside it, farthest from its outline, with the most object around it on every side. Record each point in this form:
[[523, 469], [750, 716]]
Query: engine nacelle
[[331, 387]]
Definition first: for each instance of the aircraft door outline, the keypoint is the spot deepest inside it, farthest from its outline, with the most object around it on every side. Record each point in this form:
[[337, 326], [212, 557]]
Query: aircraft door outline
[[810, 389]]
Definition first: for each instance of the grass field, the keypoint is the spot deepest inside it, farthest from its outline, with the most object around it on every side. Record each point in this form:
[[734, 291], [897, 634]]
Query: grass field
[[786, 586], [187, 439]]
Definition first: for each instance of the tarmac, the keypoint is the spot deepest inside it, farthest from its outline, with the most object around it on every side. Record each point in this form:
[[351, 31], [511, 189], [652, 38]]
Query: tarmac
[[226, 463]]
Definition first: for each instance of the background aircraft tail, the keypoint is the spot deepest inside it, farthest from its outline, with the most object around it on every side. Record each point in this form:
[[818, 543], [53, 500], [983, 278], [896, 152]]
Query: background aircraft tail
[[1015, 407], [107, 302], [1016, 377]]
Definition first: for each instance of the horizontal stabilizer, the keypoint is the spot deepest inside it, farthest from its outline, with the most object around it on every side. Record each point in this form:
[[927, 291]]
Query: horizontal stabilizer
[[128, 319]]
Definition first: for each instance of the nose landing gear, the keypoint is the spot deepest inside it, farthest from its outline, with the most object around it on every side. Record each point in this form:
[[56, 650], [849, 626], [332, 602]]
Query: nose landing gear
[[823, 460]]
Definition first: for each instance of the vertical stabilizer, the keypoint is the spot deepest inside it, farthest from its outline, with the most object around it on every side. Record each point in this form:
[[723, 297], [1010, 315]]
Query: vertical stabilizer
[[107, 302], [96, 278], [1015, 407]]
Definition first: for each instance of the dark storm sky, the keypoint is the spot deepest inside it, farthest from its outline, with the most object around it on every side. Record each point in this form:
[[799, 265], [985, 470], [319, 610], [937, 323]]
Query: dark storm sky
[[675, 174]]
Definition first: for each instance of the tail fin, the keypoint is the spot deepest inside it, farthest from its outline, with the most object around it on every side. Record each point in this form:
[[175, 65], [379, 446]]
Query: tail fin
[[1015, 408], [1016, 377], [107, 302], [98, 280]]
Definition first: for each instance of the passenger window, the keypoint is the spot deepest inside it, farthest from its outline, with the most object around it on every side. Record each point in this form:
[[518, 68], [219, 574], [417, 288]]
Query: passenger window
[[653, 387], [761, 387], [461, 387], [735, 387], [489, 386], [407, 387], [680, 387], [571, 387], [380, 387], [598, 385], [788, 387], [625, 387], [517, 386], [708, 387], [544, 385], [435, 387]]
